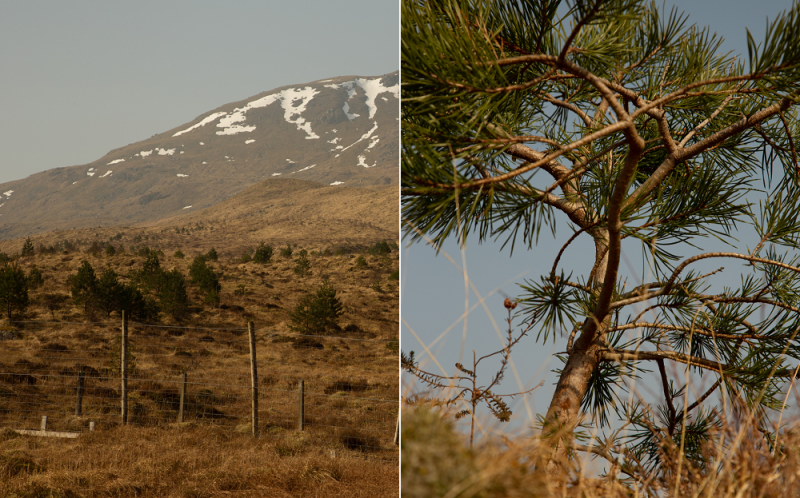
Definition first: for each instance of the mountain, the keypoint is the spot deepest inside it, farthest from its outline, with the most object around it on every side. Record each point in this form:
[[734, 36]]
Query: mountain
[[341, 131]]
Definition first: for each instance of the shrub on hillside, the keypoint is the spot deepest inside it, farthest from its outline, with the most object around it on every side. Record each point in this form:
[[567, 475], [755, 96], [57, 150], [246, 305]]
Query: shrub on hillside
[[172, 296], [379, 248], [212, 254], [151, 276], [94, 249], [35, 278], [286, 252], [211, 298], [27, 248], [205, 278], [53, 302], [138, 307], [303, 266], [361, 262], [13, 290], [317, 313], [179, 254], [43, 249], [110, 251], [108, 291], [263, 254], [83, 286]]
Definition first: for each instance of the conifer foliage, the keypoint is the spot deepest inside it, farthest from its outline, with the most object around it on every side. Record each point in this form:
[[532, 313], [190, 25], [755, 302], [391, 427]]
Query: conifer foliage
[[13, 290], [27, 248], [317, 313], [618, 121]]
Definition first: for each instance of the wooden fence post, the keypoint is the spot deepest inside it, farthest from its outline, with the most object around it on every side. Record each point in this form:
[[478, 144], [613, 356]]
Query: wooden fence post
[[301, 395], [183, 397], [124, 367], [251, 330], [79, 405]]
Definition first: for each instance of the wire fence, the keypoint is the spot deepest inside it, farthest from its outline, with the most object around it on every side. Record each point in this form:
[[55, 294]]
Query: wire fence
[[340, 391]]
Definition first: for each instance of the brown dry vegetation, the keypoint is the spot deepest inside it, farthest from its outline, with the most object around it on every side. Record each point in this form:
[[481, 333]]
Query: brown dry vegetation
[[275, 211], [436, 461], [350, 376], [186, 462]]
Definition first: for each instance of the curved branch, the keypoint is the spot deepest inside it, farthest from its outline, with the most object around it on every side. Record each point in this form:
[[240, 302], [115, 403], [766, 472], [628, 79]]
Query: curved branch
[[572, 107], [678, 328], [655, 285], [572, 238], [705, 395], [622, 355], [671, 282]]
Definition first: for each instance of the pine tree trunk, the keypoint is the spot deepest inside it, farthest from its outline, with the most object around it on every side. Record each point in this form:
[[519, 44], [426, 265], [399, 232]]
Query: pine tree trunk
[[583, 359]]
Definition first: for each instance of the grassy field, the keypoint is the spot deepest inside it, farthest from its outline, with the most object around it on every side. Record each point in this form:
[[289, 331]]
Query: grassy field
[[187, 462], [350, 376]]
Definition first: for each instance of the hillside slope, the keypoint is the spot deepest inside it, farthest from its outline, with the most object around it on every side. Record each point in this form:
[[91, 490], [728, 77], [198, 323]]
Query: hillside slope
[[276, 211]]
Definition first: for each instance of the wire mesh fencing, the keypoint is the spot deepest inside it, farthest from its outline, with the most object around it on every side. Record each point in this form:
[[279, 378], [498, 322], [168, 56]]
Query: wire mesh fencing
[[339, 391]]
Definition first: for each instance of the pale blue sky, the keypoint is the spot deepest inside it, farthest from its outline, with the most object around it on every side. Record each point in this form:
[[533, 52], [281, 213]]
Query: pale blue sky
[[80, 78], [433, 288]]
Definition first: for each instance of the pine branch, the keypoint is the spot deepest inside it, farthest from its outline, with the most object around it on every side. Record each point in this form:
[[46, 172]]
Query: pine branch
[[670, 284]]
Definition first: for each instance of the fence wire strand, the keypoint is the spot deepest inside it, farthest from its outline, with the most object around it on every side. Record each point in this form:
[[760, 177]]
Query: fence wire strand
[[41, 376]]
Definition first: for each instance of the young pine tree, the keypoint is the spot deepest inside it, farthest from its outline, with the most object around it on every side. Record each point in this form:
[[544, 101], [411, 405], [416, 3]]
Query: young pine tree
[[13, 290], [27, 248], [619, 122], [83, 286]]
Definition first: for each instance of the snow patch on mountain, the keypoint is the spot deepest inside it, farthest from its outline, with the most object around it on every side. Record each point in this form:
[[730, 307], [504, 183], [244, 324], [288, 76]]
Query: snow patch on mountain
[[145, 153], [276, 174], [337, 183], [362, 161], [165, 152], [115, 161], [372, 88], [181, 175], [364, 136], [107, 173], [249, 141], [8, 193], [91, 172], [205, 121], [293, 101]]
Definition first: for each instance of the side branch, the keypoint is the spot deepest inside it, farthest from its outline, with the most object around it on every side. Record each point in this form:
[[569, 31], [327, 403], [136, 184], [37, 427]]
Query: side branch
[[670, 284], [622, 355]]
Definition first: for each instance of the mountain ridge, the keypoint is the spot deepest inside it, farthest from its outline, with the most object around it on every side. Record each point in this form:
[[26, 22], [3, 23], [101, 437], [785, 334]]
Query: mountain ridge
[[340, 131]]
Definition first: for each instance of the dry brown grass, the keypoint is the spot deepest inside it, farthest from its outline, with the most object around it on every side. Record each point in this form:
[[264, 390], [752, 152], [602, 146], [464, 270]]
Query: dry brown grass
[[351, 384], [437, 462], [187, 462], [275, 211]]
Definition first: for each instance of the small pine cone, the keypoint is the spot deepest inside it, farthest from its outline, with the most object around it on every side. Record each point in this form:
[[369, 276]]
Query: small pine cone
[[509, 304]]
